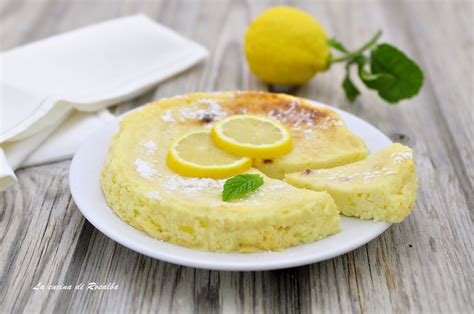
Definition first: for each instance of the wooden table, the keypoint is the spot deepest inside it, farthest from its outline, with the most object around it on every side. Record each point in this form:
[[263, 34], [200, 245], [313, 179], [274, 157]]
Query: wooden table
[[424, 264]]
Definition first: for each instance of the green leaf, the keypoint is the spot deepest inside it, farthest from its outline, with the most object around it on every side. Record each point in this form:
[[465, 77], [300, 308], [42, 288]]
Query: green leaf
[[393, 74], [334, 43], [374, 81], [240, 186], [349, 88], [379, 81]]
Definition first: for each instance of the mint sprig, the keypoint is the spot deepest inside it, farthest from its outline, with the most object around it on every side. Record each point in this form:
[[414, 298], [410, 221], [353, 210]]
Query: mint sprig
[[351, 90], [381, 67], [241, 185]]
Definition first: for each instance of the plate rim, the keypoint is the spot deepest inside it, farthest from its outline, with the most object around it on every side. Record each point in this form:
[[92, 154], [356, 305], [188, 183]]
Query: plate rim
[[178, 259]]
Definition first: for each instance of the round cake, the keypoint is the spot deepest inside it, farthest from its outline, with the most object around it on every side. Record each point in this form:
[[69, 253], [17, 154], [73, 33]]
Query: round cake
[[145, 193]]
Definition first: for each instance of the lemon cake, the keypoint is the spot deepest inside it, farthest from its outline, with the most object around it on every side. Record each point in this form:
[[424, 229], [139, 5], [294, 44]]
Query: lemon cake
[[143, 191], [381, 187]]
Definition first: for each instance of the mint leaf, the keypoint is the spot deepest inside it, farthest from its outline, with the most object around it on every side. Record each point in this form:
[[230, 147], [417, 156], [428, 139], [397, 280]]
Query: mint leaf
[[240, 186], [396, 77], [334, 43], [349, 88], [369, 78], [374, 81]]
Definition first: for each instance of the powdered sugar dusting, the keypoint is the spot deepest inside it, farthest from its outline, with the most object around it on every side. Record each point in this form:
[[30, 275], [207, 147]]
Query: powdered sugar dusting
[[401, 156], [154, 195], [302, 119], [276, 186], [145, 169], [397, 158], [293, 114], [168, 117], [149, 146], [264, 189], [211, 111], [191, 185]]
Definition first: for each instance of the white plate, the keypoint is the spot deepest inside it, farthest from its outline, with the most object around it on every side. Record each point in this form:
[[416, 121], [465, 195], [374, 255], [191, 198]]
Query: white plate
[[86, 191]]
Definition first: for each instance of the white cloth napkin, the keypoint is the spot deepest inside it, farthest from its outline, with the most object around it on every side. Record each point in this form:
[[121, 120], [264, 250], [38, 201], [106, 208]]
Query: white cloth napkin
[[47, 86]]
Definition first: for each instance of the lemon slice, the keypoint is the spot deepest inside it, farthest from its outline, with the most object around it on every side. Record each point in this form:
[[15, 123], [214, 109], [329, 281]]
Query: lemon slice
[[195, 155], [251, 136]]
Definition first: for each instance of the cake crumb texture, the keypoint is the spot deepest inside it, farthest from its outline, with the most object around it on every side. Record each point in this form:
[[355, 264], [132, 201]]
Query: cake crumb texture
[[381, 187]]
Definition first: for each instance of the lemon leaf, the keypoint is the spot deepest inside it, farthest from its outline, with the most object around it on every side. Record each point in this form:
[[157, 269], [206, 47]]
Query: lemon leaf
[[393, 75], [334, 43], [240, 186], [371, 80], [349, 88], [362, 61]]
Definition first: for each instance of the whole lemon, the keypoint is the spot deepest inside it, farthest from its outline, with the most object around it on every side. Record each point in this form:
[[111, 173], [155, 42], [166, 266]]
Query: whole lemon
[[286, 46]]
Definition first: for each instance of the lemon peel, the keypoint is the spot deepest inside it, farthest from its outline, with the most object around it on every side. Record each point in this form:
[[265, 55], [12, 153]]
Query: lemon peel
[[252, 136], [194, 155]]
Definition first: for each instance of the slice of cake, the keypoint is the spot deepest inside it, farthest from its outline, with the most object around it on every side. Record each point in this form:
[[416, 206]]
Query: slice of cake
[[381, 187]]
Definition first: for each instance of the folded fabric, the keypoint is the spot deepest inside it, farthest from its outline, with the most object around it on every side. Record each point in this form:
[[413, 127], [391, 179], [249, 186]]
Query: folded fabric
[[63, 142], [49, 145], [83, 70]]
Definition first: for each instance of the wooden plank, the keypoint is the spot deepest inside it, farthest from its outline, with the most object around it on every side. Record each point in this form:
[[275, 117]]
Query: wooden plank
[[39, 224], [421, 265], [452, 103], [405, 120]]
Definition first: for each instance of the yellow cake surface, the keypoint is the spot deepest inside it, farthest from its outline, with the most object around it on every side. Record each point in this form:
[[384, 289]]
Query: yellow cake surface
[[144, 192], [381, 187], [320, 138]]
